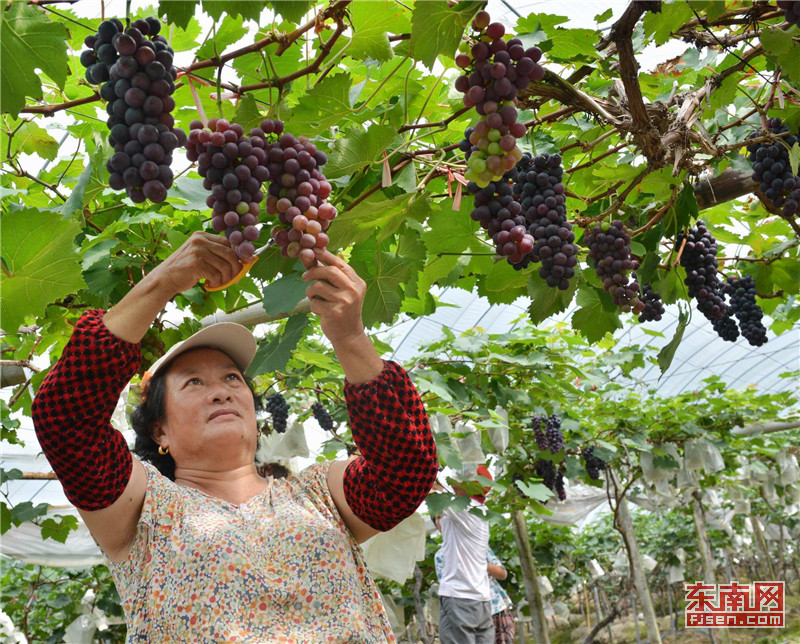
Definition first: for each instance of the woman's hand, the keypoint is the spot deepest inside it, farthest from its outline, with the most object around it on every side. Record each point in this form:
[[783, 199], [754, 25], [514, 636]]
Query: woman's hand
[[202, 256], [337, 296]]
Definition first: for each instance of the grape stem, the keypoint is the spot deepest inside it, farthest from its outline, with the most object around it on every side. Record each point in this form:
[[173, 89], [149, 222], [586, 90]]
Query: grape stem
[[657, 217]]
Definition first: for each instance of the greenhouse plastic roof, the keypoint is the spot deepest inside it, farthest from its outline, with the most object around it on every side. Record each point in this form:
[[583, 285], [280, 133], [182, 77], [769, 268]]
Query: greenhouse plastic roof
[[702, 353]]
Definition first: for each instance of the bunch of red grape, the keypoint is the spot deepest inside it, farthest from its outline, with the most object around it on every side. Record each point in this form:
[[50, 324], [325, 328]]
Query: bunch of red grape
[[138, 79], [791, 11], [610, 250], [297, 194], [493, 74], [699, 258], [772, 169], [234, 167]]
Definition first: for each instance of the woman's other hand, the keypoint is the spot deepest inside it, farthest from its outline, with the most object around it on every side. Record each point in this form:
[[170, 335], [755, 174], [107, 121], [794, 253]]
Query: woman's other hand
[[202, 256], [337, 295]]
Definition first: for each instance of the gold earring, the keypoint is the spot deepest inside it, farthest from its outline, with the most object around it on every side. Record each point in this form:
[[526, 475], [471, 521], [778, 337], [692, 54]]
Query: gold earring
[[163, 450]]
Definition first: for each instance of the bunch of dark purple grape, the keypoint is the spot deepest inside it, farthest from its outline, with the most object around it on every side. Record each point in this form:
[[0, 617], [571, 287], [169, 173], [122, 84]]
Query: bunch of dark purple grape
[[699, 258], [493, 74], [323, 417], [297, 195], [771, 167], [653, 308], [233, 167], [549, 439], [138, 79], [538, 188], [791, 11], [594, 465], [610, 251], [277, 407], [742, 294]]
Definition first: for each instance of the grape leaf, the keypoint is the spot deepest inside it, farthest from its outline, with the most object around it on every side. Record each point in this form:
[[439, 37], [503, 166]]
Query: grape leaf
[[384, 273], [666, 354], [794, 158], [282, 295], [227, 32], [32, 139], [359, 147], [30, 41], [569, 43], [535, 491], [247, 9], [178, 12], [325, 104], [43, 265], [436, 28], [292, 10], [597, 315], [58, 528], [776, 41], [371, 22], [547, 301], [503, 284], [27, 511], [92, 180], [247, 113], [375, 217], [273, 355]]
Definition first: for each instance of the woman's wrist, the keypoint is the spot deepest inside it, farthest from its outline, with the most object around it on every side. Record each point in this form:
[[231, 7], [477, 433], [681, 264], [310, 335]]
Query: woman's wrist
[[358, 357], [132, 316]]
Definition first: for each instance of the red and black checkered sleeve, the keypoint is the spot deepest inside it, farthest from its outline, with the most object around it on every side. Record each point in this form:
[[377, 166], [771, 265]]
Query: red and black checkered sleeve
[[72, 414], [399, 461]]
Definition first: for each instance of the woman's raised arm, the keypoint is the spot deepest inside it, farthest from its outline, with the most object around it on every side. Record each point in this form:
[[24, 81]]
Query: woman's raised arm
[[73, 407]]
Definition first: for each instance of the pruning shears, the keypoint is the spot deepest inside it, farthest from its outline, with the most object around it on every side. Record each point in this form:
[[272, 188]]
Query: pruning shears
[[245, 268]]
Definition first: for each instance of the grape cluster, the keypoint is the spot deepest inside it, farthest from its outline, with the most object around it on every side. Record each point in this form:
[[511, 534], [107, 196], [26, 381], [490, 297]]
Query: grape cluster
[[653, 308], [742, 293], [494, 71], [538, 186], [278, 408], [552, 477], [594, 465], [772, 170], [610, 250], [138, 79], [700, 261], [726, 327], [297, 195], [791, 11], [501, 216], [550, 438], [323, 417], [234, 167]]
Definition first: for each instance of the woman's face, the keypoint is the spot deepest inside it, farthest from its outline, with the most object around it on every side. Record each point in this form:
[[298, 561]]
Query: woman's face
[[210, 418]]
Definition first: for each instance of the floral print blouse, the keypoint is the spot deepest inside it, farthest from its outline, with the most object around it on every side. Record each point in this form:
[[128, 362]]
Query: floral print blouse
[[282, 567]]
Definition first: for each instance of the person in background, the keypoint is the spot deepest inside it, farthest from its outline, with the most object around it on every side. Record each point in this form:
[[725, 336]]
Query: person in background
[[202, 548], [502, 616], [465, 613]]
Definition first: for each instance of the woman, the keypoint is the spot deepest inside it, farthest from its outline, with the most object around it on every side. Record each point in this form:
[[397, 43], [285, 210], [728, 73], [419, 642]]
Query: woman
[[219, 553]]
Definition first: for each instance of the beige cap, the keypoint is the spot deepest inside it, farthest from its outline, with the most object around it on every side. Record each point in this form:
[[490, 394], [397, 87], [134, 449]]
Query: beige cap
[[234, 340]]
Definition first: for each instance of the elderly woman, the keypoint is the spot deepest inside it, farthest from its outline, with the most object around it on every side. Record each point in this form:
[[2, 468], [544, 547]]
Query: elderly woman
[[211, 551]]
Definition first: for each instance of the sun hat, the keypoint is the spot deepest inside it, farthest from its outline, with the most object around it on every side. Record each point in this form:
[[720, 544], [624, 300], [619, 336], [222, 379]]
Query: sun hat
[[484, 472], [234, 340]]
